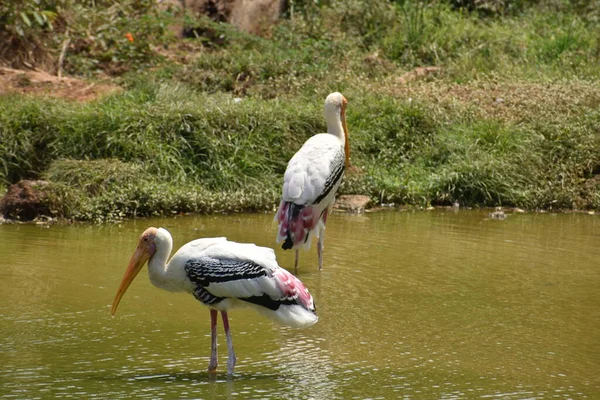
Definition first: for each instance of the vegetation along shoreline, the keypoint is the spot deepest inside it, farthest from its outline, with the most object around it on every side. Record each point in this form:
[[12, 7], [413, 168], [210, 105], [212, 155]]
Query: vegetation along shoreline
[[487, 107]]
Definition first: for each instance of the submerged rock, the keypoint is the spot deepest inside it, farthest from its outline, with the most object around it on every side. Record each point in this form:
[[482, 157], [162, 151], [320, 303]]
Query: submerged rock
[[24, 201], [497, 215]]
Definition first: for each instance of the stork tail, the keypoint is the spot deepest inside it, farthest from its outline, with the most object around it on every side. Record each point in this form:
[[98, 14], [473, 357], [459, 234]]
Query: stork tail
[[297, 308], [295, 223]]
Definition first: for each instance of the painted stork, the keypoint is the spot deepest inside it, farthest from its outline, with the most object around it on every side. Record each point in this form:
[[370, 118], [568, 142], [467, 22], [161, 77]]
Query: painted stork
[[222, 274], [311, 180]]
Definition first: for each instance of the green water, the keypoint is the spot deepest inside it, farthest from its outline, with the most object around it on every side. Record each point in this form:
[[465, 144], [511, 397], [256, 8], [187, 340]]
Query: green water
[[425, 305]]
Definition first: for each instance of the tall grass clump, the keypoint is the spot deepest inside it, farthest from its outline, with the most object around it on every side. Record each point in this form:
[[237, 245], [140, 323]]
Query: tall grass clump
[[109, 190], [414, 157], [178, 135], [417, 153]]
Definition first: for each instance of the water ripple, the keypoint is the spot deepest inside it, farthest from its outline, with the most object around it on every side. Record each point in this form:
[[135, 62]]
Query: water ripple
[[412, 305]]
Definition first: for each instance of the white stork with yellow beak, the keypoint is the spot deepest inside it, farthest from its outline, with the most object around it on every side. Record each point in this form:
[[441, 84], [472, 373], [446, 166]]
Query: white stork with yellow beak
[[222, 274], [311, 181]]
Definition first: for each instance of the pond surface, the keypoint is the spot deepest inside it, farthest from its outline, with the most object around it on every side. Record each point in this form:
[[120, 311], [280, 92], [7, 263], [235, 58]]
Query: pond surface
[[420, 305]]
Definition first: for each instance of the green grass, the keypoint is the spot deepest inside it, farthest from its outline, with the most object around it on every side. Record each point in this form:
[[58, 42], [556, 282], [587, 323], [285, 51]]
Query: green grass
[[177, 134], [512, 118], [109, 189]]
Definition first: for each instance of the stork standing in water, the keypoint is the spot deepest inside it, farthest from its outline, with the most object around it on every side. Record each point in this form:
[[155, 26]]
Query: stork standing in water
[[311, 180], [222, 274]]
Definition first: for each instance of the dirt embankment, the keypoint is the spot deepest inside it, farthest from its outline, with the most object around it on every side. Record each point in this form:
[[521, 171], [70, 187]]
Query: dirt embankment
[[41, 83]]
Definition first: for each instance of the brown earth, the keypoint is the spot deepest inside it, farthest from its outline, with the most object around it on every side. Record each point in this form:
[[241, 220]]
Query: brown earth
[[41, 83], [24, 201]]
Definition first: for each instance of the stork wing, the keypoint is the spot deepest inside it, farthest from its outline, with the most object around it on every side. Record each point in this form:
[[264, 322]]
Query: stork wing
[[217, 279], [249, 273], [314, 171], [232, 278]]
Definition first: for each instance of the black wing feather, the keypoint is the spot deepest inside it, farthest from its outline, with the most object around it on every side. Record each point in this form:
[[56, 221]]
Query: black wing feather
[[337, 167], [206, 270]]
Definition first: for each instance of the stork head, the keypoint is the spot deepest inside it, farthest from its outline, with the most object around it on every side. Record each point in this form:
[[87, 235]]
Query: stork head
[[144, 251], [335, 113], [334, 103]]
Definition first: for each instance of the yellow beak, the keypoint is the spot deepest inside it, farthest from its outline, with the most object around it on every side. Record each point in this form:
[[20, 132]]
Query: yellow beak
[[347, 142], [136, 263]]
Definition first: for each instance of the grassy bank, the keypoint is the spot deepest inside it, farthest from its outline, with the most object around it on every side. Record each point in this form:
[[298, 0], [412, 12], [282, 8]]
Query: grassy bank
[[512, 116]]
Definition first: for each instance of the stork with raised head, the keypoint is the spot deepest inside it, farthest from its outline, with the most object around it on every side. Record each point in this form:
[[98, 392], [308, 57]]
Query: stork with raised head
[[311, 181], [222, 274]]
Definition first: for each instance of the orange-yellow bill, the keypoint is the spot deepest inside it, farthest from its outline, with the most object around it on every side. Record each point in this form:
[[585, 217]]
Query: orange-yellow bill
[[136, 263], [347, 142]]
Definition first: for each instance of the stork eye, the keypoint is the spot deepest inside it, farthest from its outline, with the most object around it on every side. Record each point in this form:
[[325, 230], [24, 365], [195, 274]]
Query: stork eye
[[145, 238]]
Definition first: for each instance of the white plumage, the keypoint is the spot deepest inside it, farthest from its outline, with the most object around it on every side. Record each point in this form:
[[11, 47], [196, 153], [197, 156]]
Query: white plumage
[[222, 275], [311, 180], [308, 170]]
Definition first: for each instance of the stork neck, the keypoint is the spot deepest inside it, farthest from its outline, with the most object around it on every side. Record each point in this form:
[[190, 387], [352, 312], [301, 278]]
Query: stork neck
[[334, 126], [157, 265]]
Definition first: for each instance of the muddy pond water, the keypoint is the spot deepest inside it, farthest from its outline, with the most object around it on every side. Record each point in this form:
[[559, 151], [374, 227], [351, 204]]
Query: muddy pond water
[[419, 305]]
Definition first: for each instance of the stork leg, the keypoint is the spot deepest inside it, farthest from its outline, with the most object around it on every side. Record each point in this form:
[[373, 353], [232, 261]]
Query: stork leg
[[321, 234], [230, 352], [296, 260], [320, 251], [212, 364]]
